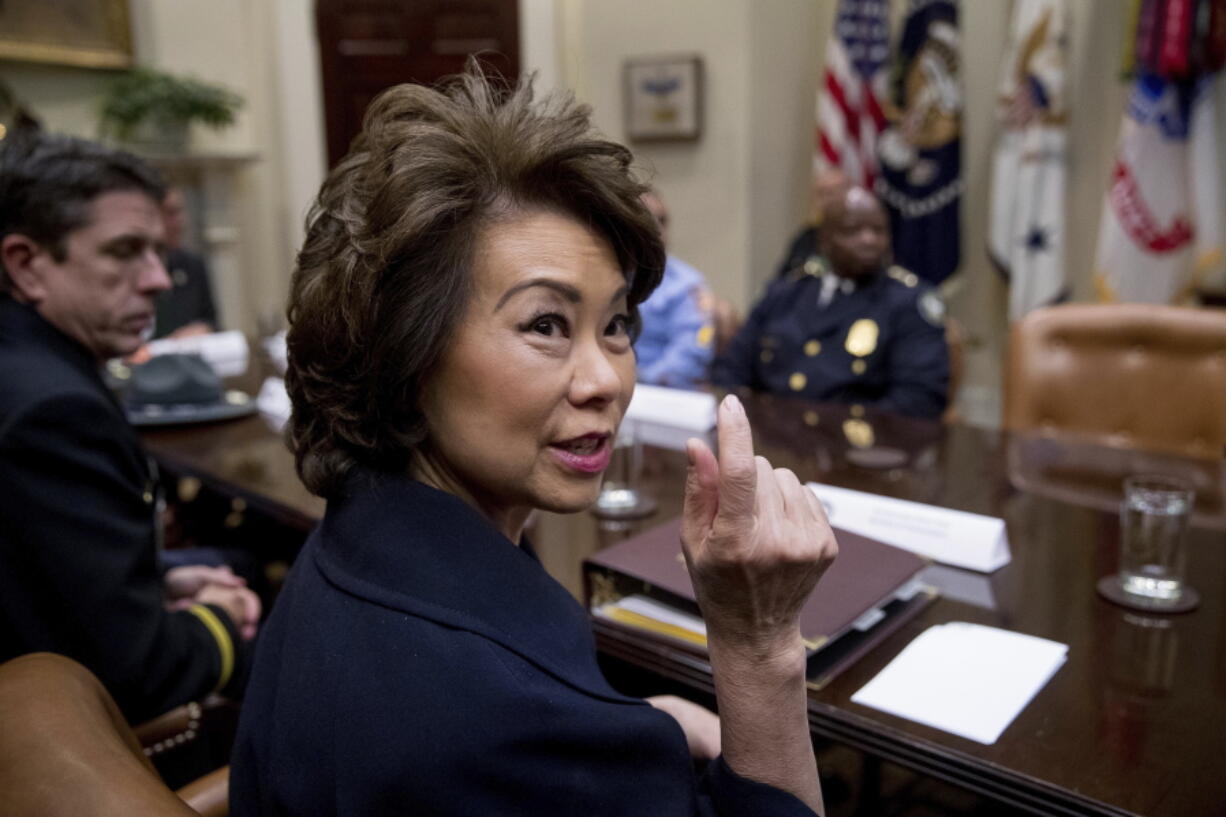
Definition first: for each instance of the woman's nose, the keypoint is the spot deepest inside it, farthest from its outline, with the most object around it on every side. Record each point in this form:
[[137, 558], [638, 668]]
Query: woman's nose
[[596, 377]]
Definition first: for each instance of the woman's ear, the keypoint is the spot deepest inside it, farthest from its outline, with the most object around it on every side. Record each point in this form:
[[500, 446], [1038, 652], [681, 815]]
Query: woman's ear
[[22, 259]]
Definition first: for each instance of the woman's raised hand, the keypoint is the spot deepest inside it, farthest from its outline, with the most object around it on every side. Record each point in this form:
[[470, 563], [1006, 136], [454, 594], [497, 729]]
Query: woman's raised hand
[[756, 542], [755, 539]]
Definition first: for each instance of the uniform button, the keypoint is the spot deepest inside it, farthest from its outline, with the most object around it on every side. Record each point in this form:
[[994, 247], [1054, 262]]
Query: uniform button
[[857, 410], [767, 356], [858, 366], [147, 497], [811, 418], [797, 381], [859, 433], [812, 348]]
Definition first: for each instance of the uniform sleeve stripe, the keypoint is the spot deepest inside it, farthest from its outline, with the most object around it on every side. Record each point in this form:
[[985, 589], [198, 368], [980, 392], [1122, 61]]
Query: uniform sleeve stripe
[[221, 635]]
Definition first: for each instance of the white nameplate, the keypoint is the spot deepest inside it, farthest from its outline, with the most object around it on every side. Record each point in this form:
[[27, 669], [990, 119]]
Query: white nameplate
[[225, 352], [956, 538], [666, 418]]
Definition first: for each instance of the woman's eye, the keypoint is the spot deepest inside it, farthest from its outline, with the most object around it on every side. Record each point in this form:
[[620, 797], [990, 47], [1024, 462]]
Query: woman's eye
[[548, 325], [620, 325]]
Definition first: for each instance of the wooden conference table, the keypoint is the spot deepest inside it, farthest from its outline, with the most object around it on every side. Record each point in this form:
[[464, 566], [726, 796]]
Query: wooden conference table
[[1133, 723]]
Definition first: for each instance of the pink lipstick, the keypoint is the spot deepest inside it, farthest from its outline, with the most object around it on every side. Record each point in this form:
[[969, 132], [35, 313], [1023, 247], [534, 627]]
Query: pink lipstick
[[589, 454]]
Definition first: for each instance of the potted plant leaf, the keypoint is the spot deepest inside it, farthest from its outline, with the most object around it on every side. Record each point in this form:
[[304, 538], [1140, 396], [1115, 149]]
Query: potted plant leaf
[[154, 109]]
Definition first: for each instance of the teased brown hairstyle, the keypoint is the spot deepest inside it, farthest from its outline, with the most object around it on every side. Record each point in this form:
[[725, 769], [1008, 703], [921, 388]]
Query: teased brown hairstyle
[[383, 275]]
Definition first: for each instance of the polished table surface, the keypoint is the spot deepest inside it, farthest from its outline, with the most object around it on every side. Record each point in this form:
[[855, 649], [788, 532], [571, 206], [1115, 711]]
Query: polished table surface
[[1133, 723]]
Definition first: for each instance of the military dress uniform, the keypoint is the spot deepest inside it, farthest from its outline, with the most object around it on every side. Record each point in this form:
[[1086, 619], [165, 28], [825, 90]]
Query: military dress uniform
[[877, 342], [79, 568]]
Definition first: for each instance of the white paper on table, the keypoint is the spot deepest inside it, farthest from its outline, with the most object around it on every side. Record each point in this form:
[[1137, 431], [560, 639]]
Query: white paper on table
[[964, 678], [666, 418], [955, 538], [225, 352], [273, 402], [277, 350]]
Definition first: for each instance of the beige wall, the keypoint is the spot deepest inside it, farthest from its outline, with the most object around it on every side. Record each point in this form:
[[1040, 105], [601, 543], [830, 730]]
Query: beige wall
[[734, 193], [785, 65], [705, 182]]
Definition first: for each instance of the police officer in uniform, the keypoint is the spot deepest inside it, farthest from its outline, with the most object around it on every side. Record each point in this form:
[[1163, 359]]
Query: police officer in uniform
[[676, 343], [847, 328], [80, 567]]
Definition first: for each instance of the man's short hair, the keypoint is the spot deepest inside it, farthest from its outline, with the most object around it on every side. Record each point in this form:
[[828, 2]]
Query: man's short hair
[[47, 182]]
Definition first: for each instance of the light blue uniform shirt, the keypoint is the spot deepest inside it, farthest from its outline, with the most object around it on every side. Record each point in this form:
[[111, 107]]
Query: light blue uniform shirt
[[675, 347]]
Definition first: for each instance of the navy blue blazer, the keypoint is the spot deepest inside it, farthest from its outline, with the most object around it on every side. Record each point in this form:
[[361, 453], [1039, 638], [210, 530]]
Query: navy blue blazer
[[79, 567], [417, 662], [881, 345]]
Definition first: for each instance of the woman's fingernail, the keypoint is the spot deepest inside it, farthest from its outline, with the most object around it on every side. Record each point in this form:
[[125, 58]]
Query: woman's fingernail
[[733, 403]]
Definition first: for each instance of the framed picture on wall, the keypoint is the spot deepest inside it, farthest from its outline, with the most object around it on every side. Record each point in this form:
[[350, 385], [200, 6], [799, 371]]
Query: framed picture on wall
[[88, 33], [663, 98]]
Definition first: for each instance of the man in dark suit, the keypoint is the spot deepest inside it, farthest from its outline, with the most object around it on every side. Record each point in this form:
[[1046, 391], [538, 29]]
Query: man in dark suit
[[80, 266], [849, 329], [187, 308]]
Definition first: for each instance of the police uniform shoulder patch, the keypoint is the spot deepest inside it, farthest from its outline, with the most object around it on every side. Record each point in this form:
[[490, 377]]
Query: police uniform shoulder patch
[[903, 276], [932, 308], [812, 267]]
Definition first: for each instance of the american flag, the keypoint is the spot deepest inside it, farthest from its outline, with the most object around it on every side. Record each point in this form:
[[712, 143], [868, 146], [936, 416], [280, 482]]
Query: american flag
[[849, 114]]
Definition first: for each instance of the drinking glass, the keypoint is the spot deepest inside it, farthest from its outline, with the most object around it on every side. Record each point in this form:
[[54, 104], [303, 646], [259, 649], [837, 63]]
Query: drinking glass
[[621, 494], [1153, 521]]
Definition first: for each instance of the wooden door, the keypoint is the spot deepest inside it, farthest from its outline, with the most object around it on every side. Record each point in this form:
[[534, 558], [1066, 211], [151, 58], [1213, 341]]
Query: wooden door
[[366, 46]]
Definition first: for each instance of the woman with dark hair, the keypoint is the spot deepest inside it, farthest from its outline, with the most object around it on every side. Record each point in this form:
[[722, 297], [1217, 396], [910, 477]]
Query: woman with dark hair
[[460, 353]]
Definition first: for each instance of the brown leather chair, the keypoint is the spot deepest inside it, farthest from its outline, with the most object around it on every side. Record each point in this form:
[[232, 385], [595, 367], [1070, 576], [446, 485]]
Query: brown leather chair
[[1124, 375], [65, 749]]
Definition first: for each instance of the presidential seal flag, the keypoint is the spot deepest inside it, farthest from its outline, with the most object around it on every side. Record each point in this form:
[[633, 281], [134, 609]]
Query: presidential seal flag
[[1027, 209], [1158, 237], [849, 112], [920, 178]]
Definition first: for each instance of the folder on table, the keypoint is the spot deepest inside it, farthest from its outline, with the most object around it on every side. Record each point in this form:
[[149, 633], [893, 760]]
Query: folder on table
[[870, 590]]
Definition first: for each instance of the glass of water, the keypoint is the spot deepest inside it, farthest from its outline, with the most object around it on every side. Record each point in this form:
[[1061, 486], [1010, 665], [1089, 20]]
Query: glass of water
[[1153, 521], [621, 494]]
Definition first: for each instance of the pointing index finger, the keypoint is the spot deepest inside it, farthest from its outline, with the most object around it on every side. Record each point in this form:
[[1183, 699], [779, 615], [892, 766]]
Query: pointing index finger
[[738, 476]]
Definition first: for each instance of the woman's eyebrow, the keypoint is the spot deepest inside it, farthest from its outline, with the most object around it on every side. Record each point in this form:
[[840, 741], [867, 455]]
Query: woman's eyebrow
[[568, 292]]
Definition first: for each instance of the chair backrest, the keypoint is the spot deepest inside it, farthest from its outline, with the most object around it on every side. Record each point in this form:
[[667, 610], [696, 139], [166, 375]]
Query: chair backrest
[[65, 749], [1125, 375]]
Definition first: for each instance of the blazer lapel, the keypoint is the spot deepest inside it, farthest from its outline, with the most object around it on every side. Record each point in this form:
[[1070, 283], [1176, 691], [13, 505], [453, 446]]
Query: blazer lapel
[[405, 545]]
